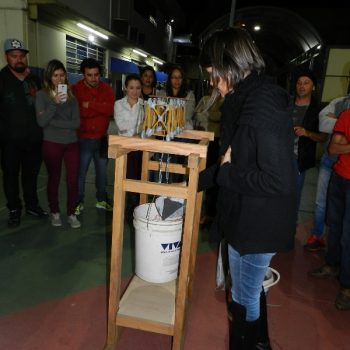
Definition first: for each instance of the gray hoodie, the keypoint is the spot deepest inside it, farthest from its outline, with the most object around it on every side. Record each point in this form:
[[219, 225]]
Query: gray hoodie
[[326, 123], [59, 121]]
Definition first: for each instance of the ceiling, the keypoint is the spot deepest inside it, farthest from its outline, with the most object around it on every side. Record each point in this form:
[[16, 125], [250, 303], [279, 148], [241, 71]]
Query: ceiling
[[283, 36], [286, 31]]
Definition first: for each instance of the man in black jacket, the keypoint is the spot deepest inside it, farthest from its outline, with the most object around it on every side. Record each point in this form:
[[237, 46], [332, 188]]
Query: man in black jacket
[[305, 122], [20, 135]]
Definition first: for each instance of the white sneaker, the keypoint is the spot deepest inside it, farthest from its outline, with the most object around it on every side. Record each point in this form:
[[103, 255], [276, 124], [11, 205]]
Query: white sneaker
[[73, 221], [56, 219]]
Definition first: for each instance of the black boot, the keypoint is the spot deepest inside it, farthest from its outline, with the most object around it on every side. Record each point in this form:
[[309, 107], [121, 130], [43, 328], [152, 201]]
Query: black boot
[[263, 334], [243, 334], [14, 218]]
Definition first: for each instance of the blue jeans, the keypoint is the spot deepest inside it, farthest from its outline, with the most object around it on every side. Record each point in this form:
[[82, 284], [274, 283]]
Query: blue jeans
[[338, 219], [324, 175], [90, 149], [248, 273]]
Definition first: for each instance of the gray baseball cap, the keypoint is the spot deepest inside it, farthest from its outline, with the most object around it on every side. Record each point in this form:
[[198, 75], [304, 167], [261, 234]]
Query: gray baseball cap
[[14, 44]]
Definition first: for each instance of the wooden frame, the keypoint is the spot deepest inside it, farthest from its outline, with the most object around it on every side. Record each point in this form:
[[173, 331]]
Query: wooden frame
[[161, 307]]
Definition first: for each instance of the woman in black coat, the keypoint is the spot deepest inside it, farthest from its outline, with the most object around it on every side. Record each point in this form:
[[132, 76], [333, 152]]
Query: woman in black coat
[[256, 177]]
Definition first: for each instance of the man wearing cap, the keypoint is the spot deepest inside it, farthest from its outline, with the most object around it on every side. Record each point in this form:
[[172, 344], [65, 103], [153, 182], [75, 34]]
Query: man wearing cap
[[305, 121], [20, 135]]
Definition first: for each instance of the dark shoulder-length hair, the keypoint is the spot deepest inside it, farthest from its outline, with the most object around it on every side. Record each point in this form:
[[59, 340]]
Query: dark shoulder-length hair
[[183, 88], [51, 67], [232, 55], [150, 69]]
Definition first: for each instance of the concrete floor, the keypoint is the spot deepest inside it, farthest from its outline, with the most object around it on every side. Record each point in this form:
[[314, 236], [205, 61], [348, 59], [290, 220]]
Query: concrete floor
[[53, 288]]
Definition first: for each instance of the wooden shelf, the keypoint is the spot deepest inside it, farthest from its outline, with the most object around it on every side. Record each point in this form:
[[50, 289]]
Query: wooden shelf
[[148, 306]]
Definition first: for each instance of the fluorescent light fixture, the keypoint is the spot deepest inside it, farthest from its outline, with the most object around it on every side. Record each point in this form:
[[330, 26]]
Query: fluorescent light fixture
[[91, 38], [139, 53], [93, 31], [257, 28], [153, 21], [157, 61], [126, 58], [183, 39]]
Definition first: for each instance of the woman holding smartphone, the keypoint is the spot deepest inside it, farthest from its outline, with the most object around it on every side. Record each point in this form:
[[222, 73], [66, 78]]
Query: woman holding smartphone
[[58, 114]]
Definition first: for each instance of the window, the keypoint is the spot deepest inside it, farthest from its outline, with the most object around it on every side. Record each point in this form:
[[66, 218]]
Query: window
[[77, 50]]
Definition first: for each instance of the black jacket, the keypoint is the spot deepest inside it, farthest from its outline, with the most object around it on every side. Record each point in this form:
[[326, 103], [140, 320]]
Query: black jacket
[[306, 146], [257, 190], [17, 108]]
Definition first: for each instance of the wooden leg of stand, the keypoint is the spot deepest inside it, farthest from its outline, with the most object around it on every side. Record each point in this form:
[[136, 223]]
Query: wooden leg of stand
[[194, 244], [184, 273], [112, 346], [116, 252], [144, 175]]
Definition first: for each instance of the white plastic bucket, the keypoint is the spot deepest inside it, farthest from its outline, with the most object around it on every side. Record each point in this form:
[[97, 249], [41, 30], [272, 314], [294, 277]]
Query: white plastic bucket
[[157, 245], [272, 277]]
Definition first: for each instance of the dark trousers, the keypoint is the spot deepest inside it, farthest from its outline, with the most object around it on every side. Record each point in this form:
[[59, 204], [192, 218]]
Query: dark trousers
[[95, 150], [133, 169], [20, 157], [338, 219], [54, 154]]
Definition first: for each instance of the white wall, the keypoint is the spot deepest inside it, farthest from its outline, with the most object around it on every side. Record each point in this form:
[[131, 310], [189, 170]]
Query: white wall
[[98, 11], [51, 44], [13, 23], [337, 76]]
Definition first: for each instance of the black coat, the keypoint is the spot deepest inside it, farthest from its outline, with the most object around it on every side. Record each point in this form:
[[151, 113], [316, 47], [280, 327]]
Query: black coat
[[306, 146], [257, 190], [17, 108]]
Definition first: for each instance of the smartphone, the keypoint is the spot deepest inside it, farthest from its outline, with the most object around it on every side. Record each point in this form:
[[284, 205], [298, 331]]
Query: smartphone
[[62, 88]]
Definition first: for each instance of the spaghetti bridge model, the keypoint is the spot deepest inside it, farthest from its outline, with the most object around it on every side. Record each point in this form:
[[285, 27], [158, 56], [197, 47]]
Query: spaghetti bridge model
[[165, 116]]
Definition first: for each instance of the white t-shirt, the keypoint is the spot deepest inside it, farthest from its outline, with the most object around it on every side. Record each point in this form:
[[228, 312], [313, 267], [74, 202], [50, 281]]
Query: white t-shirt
[[128, 120]]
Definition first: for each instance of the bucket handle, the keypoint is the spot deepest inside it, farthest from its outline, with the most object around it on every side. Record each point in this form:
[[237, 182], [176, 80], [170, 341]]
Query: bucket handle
[[148, 214], [278, 277]]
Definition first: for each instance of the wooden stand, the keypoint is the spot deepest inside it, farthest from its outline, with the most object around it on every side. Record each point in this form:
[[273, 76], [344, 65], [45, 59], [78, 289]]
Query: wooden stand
[[159, 308]]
